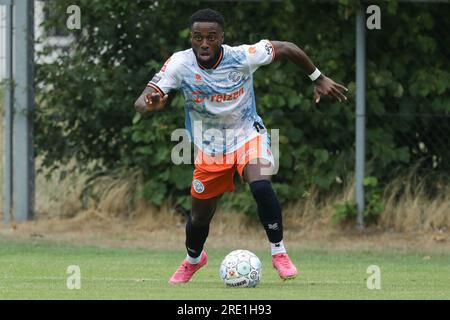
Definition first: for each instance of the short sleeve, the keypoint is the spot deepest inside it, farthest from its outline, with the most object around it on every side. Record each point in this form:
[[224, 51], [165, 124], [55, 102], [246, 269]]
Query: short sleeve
[[259, 54], [168, 77]]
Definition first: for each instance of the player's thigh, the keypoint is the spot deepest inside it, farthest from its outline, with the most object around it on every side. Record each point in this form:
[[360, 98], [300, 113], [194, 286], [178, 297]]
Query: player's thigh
[[261, 169], [255, 159], [203, 210]]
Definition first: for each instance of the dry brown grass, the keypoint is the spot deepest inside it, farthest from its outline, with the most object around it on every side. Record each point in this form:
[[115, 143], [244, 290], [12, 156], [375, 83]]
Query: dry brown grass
[[313, 213], [57, 197], [408, 208], [121, 220], [115, 197]]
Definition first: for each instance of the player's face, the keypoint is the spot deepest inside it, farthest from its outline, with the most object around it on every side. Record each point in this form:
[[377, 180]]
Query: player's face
[[206, 39]]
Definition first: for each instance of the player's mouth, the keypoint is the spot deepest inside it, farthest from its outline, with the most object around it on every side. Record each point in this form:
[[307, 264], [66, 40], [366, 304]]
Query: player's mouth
[[205, 55]]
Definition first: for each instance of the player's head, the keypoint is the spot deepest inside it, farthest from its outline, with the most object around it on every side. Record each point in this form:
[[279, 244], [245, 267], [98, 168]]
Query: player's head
[[207, 35]]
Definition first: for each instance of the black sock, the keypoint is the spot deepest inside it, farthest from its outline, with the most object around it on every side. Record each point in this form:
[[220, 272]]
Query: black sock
[[195, 238], [269, 209]]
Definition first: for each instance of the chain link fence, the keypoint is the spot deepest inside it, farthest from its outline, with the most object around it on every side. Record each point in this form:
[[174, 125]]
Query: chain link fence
[[408, 104], [410, 76]]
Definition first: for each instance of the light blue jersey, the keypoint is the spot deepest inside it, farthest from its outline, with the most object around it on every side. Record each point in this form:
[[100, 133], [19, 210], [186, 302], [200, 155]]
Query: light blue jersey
[[219, 102]]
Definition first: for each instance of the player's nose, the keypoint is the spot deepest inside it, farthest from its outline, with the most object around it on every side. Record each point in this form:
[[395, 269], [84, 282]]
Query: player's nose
[[204, 45]]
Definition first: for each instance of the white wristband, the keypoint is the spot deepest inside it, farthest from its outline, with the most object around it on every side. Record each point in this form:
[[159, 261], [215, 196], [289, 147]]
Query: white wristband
[[316, 74]]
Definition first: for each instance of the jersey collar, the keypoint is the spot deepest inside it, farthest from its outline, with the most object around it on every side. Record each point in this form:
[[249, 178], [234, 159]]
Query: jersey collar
[[219, 59]]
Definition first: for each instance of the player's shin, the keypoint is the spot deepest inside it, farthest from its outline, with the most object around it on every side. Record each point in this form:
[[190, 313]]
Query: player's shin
[[269, 211], [195, 239]]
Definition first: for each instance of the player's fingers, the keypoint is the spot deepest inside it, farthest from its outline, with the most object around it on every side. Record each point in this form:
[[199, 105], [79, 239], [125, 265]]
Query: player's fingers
[[339, 93], [316, 95], [162, 103], [148, 98], [340, 86], [333, 94], [156, 97]]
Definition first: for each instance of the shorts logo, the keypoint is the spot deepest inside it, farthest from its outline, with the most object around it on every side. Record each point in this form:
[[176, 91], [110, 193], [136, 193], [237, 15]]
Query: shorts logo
[[269, 48], [198, 186], [234, 76]]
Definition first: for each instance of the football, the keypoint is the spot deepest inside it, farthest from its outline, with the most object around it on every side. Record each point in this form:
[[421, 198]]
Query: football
[[241, 268]]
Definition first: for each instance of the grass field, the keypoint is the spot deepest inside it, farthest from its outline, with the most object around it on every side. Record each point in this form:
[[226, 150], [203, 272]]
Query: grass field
[[37, 270]]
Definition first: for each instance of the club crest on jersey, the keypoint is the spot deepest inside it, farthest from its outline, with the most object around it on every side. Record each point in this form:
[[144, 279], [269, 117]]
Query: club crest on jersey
[[269, 48], [198, 186], [234, 76], [198, 78]]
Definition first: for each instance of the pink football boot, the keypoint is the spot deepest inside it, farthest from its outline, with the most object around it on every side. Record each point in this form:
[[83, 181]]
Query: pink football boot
[[185, 272], [284, 266]]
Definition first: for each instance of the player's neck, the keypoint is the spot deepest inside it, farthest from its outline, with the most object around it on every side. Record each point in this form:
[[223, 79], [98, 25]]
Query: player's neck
[[215, 62]]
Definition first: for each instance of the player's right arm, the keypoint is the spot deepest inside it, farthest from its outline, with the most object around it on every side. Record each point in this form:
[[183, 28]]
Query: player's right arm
[[155, 95], [150, 100]]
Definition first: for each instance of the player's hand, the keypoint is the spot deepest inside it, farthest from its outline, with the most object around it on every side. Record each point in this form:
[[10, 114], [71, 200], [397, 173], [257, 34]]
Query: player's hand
[[326, 86], [155, 101]]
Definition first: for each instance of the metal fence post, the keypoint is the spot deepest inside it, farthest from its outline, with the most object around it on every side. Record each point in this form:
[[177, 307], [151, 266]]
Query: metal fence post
[[360, 115], [24, 101], [8, 160]]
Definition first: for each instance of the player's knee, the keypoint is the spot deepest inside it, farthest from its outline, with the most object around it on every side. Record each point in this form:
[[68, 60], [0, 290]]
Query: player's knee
[[269, 208], [262, 189]]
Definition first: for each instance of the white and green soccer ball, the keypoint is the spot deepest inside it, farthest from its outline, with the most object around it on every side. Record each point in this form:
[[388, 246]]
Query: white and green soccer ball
[[241, 268]]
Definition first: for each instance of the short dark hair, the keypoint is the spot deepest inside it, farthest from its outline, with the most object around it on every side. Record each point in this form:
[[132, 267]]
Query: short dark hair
[[207, 15]]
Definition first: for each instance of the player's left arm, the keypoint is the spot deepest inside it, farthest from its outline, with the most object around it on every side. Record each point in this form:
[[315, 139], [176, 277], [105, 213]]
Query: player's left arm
[[322, 84]]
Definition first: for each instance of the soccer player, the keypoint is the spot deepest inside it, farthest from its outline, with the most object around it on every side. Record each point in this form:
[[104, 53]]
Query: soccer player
[[217, 83]]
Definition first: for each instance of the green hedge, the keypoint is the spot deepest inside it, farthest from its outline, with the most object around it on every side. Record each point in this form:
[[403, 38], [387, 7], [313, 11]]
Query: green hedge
[[85, 98]]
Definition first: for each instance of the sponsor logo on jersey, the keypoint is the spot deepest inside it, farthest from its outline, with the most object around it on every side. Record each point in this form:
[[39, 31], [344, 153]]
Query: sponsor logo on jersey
[[252, 50], [198, 96], [234, 76], [198, 186]]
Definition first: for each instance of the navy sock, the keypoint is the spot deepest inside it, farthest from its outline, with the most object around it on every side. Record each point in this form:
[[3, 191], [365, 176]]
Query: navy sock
[[195, 238], [269, 209]]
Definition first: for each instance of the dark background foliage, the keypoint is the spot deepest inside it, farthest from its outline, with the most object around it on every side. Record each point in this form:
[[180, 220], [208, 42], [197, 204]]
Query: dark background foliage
[[85, 97]]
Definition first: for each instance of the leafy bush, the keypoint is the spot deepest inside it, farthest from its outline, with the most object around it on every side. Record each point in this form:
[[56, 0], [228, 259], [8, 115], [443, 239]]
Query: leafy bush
[[347, 211], [85, 98]]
